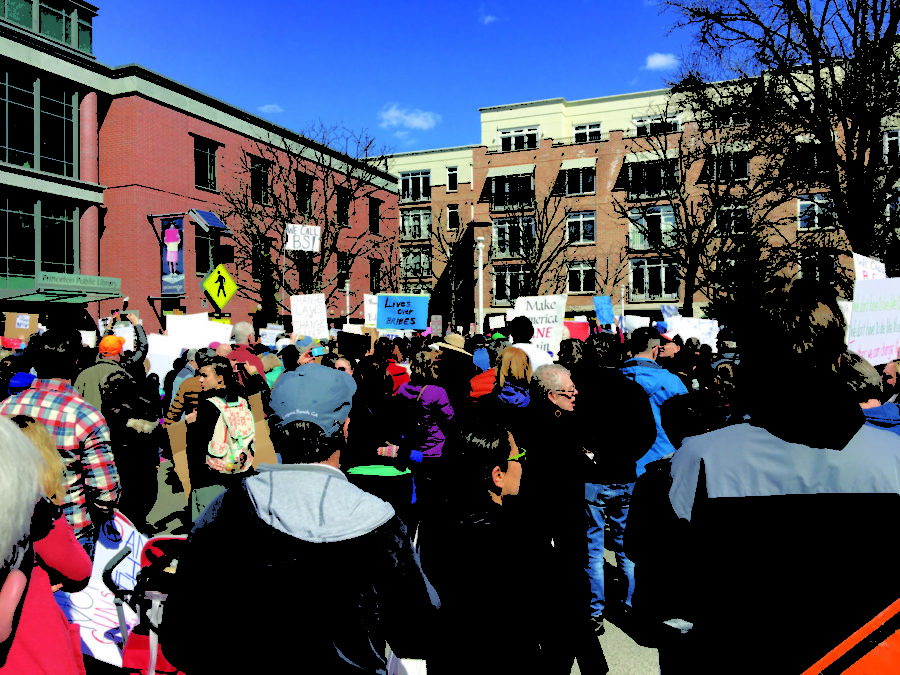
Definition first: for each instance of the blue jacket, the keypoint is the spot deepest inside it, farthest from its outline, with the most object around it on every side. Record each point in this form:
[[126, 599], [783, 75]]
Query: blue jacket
[[885, 416], [660, 385]]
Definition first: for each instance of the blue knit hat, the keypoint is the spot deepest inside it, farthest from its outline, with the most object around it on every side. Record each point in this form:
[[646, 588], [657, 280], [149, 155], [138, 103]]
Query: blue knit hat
[[314, 393], [20, 382]]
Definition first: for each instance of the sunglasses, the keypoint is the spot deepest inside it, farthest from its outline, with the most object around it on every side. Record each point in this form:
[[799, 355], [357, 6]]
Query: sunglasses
[[568, 393], [517, 458]]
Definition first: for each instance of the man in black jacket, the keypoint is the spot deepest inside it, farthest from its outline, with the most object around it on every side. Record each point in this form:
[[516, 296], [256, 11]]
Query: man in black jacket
[[316, 573]]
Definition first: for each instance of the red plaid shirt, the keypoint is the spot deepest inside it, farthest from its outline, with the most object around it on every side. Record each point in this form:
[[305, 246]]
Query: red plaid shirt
[[83, 441]]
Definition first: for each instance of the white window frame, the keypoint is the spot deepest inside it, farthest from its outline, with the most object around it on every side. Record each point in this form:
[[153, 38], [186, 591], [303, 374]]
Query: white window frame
[[507, 181], [732, 207], [454, 172], [422, 264], [814, 201], [575, 187], [411, 231], [637, 240], [580, 217], [523, 133], [450, 209], [500, 232], [714, 174], [659, 265], [816, 258], [891, 146], [582, 268], [422, 182], [592, 132], [645, 122], [507, 272]]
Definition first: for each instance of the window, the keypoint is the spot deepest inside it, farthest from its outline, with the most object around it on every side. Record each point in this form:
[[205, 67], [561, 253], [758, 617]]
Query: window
[[648, 180], [209, 251], [587, 133], [813, 157], [891, 147], [205, 163], [818, 265], [17, 107], [57, 128], [452, 179], [342, 212], [55, 23], [17, 237], [85, 36], [815, 212], [18, 11], [730, 115], [304, 193], [416, 261], [374, 215], [374, 276], [510, 192], [415, 186], [415, 225], [510, 282], [513, 237], [725, 168], [576, 181], [652, 228], [656, 124], [259, 180], [519, 139], [653, 279], [343, 269], [453, 217], [57, 237], [733, 218], [581, 227], [582, 277]]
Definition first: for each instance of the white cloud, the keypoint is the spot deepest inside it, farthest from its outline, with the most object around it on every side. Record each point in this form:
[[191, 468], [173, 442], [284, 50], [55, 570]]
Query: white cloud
[[395, 116], [484, 18], [270, 108], [657, 61]]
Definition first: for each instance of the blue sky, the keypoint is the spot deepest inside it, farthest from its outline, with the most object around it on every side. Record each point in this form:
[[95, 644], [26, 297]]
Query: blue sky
[[410, 74]]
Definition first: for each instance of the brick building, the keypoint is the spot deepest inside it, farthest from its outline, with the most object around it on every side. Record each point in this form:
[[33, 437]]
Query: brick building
[[97, 163], [588, 165]]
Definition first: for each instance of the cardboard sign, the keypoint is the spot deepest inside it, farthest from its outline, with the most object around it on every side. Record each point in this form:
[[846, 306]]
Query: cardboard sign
[[309, 315], [402, 312], [547, 314], [868, 268], [578, 330], [496, 321], [92, 608], [874, 330], [302, 237], [603, 308], [20, 326]]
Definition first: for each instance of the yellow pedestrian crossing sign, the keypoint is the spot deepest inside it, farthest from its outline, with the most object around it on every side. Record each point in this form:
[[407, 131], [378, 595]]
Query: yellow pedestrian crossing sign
[[220, 286]]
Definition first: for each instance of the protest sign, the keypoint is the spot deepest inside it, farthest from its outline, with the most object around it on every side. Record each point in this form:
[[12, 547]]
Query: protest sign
[[578, 330], [630, 322], [21, 326], [705, 330], [668, 310], [162, 351], [268, 336], [126, 332], [603, 308], [192, 331], [302, 237], [310, 316], [496, 321], [436, 324], [547, 314], [92, 608], [875, 320], [370, 309], [868, 268], [580, 317], [89, 338], [402, 312]]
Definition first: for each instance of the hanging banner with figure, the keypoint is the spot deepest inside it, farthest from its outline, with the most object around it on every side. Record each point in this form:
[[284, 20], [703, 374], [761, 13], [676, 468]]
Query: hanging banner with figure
[[173, 256]]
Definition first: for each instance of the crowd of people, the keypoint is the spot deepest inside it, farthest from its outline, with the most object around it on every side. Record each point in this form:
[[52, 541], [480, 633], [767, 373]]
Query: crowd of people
[[453, 497]]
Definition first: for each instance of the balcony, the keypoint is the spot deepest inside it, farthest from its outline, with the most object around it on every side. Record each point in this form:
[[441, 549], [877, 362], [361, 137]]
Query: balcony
[[578, 140]]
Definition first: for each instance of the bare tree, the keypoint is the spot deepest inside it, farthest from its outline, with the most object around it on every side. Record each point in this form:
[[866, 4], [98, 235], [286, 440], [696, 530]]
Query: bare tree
[[829, 70], [322, 183]]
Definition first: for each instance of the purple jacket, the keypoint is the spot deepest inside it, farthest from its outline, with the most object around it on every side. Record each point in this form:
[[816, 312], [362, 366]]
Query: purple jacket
[[438, 413]]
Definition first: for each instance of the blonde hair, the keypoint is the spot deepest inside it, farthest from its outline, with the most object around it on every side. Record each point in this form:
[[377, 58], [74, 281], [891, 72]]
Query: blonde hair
[[515, 366], [51, 470]]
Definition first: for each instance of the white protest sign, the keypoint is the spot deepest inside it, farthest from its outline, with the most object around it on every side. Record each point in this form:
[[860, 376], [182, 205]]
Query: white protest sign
[[310, 316], [195, 331], [496, 321], [302, 237], [875, 320], [92, 608], [354, 328], [268, 336], [89, 338], [370, 309], [547, 314], [868, 268], [161, 353], [631, 322], [125, 332], [705, 330]]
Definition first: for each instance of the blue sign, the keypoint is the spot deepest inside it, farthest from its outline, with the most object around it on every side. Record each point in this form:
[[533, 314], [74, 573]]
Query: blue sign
[[173, 257], [603, 308], [402, 312]]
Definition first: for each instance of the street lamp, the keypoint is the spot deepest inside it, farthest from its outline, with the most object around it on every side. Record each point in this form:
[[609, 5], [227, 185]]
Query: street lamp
[[480, 247]]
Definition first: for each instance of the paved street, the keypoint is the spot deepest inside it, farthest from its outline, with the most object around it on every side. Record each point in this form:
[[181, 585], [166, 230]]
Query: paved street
[[625, 657]]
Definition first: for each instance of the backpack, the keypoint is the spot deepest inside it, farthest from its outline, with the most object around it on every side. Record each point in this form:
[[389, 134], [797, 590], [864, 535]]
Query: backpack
[[231, 448]]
